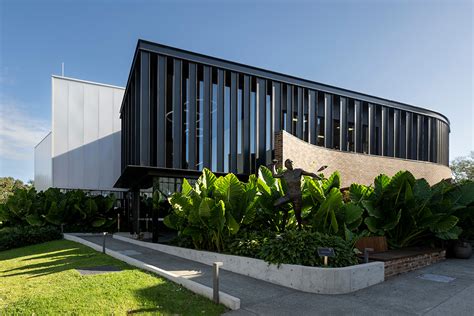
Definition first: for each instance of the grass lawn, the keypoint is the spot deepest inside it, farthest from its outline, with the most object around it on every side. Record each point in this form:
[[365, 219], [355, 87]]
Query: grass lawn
[[42, 280]]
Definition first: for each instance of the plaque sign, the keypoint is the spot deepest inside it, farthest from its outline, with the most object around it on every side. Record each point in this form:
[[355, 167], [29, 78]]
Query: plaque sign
[[325, 253]]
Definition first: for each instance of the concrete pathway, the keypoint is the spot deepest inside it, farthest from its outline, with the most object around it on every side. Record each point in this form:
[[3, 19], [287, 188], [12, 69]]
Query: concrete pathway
[[401, 295]]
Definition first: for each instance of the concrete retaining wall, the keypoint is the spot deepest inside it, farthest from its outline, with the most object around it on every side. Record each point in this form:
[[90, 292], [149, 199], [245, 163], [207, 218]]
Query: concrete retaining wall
[[303, 278]]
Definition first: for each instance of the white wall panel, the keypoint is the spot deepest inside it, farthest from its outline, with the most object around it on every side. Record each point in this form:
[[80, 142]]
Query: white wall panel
[[86, 134], [91, 134], [43, 164]]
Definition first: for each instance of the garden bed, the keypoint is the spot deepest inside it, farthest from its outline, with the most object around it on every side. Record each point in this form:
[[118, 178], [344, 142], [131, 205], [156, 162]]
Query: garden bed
[[308, 279]]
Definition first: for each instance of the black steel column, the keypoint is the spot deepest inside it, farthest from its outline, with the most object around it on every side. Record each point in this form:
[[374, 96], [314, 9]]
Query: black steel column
[[312, 117], [220, 120], [419, 137], [385, 131], [177, 112], [328, 128], [192, 116], [275, 111], [299, 123], [206, 119], [136, 109], [144, 109], [343, 124], [135, 212], [409, 138], [357, 126], [233, 123], [161, 112], [261, 128], [396, 133], [289, 108], [371, 129], [246, 124]]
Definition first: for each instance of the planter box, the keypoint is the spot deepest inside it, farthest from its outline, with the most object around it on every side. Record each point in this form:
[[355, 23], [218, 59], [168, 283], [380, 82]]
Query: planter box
[[378, 243], [303, 278]]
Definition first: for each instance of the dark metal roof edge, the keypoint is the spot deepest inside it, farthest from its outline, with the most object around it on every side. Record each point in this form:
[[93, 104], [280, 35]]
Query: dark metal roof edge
[[273, 75]]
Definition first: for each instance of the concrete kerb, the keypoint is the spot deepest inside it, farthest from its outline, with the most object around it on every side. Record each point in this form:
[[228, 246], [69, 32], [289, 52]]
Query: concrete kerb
[[224, 298], [308, 279]]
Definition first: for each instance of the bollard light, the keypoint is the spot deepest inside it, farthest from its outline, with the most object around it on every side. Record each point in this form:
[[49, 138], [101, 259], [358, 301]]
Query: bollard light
[[215, 279], [103, 242]]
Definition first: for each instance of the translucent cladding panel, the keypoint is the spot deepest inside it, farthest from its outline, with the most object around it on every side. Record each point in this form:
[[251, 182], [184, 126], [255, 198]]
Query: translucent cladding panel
[[91, 135], [60, 116], [43, 167], [76, 135], [106, 144]]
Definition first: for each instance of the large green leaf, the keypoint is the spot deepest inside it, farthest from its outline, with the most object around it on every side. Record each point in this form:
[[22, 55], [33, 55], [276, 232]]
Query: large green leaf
[[352, 213], [315, 190], [231, 223], [334, 181], [266, 176], [451, 234], [372, 224], [380, 183], [372, 209], [359, 192], [206, 182], [186, 188], [205, 207], [230, 190], [445, 224]]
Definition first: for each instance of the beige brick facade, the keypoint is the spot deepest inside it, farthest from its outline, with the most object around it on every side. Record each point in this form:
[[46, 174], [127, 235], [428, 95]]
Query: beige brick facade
[[354, 167]]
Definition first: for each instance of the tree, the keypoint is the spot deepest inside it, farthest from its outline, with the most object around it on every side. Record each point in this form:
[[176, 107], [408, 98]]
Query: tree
[[463, 168], [7, 186]]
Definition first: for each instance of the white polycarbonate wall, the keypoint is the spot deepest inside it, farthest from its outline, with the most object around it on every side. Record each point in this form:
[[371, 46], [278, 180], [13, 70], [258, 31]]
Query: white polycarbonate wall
[[85, 134], [43, 171]]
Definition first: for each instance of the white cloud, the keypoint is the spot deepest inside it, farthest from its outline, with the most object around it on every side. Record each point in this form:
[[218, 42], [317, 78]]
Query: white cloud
[[20, 131]]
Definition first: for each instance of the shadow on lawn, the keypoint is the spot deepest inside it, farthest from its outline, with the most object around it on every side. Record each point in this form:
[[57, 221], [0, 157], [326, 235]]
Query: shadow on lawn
[[58, 260], [170, 298]]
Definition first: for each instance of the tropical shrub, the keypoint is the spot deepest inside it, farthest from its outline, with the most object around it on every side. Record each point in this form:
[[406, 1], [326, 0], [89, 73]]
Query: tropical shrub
[[408, 211], [74, 209], [13, 237], [295, 247], [213, 209]]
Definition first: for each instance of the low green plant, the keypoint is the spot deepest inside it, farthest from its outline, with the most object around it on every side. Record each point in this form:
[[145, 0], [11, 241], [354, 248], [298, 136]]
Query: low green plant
[[296, 247], [14, 237]]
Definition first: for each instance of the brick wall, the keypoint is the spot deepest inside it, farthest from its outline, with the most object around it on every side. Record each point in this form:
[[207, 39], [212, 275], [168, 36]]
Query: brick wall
[[354, 167], [402, 265]]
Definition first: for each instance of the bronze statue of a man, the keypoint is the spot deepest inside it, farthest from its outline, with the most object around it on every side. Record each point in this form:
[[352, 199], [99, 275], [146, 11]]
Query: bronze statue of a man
[[292, 177]]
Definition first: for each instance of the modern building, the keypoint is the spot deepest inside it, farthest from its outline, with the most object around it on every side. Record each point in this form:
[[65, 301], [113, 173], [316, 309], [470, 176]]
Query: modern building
[[82, 151], [182, 111]]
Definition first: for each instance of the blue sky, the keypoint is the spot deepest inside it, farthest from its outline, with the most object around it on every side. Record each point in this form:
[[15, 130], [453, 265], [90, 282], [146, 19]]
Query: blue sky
[[418, 52]]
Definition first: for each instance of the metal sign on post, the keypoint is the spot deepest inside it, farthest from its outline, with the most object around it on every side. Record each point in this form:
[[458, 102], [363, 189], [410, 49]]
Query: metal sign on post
[[215, 281], [325, 253]]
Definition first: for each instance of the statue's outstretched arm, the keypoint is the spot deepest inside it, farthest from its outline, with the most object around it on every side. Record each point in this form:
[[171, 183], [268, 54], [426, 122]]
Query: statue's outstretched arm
[[306, 173]]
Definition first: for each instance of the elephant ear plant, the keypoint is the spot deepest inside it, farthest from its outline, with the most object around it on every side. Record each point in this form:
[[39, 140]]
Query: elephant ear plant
[[212, 210], [325, 209], [408, 211]]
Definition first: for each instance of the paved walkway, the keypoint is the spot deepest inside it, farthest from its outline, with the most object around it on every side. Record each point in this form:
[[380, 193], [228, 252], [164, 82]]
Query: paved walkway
[[401, 295]]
